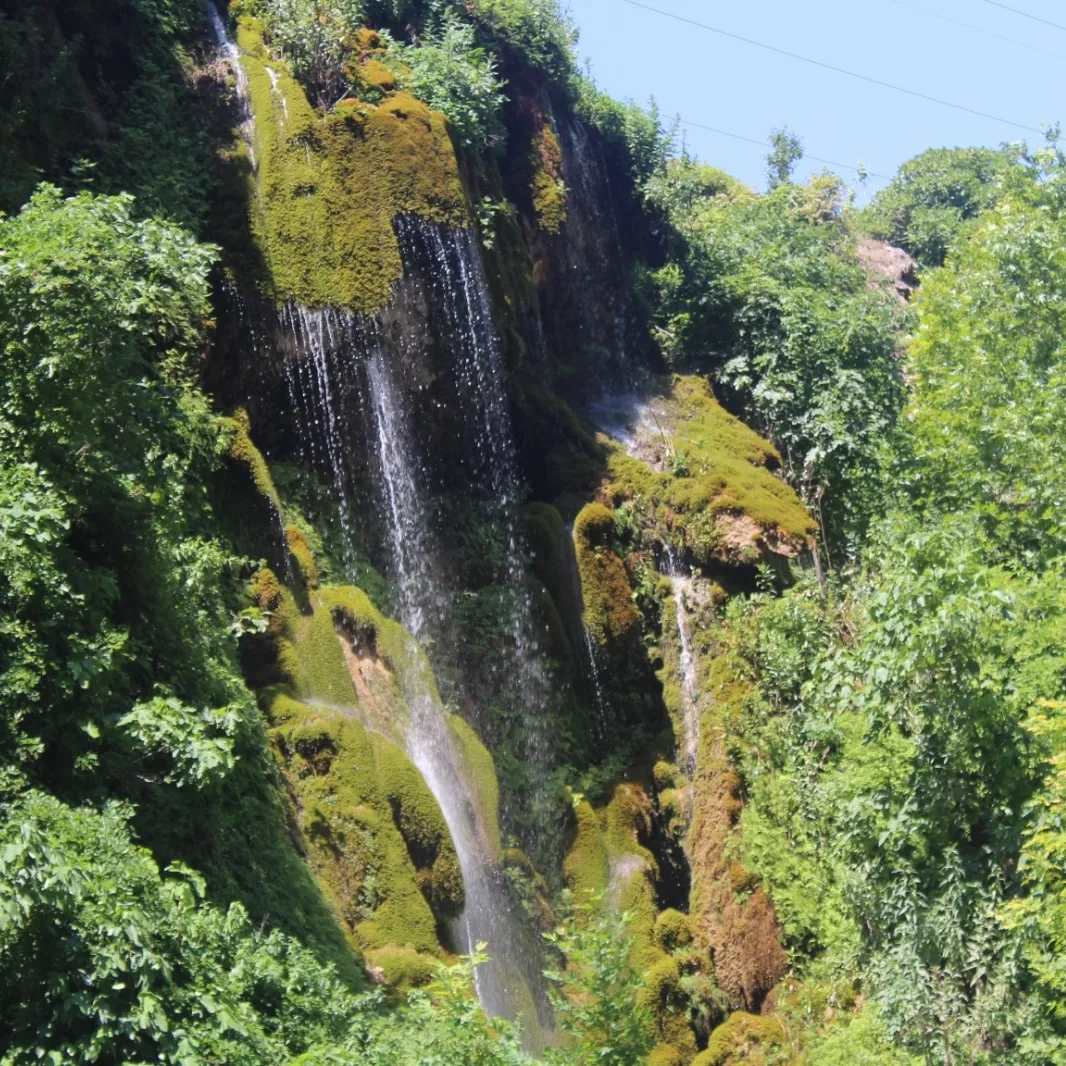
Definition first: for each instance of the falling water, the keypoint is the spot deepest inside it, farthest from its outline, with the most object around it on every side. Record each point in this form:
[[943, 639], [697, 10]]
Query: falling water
[[510, 981], [338, 364], [681, 584], [228, 50], [460, 296]]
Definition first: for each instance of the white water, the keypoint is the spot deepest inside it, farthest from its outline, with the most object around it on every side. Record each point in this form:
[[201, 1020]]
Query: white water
[[340, 374], [460, 296], [681, 584], [489, 916], [229, 51]]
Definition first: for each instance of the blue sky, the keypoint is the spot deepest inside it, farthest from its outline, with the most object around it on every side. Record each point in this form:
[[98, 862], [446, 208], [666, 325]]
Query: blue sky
[[723, 83]]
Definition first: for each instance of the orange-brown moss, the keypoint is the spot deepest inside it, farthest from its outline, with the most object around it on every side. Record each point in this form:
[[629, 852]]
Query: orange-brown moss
[[728, 907]]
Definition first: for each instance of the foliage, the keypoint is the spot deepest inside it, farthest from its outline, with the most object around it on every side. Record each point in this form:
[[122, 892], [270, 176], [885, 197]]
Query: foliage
[[766, 295], [540, 30], [596, 998], [927, 206], [987, 366], [453, 75], [786, 150], [109, 654]]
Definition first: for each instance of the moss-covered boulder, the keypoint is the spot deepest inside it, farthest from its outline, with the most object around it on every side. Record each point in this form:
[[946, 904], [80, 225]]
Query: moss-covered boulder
[[744, 1040], [700, 479], [329, 187]]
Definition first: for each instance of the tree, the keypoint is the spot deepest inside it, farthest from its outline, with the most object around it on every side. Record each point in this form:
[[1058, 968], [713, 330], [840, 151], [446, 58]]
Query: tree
[[786, 150]]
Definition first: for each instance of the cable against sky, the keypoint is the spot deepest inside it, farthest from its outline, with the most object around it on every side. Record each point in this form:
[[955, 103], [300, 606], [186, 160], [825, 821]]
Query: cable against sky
[[767, 144], [836, 69], [1026, 14], [980, 29]]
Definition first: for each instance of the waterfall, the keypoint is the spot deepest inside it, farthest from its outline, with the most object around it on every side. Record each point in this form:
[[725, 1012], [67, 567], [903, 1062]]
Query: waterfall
[[510, 981], [451, 264], [681, 584], [345, 384], [229, 52]]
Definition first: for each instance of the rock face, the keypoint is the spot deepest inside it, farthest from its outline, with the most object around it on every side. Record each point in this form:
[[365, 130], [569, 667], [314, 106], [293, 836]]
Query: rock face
[[890, 265]]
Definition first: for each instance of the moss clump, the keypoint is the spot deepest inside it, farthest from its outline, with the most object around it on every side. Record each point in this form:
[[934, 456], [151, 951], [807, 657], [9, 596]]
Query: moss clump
[[329, 187], [265, 589], [302, 555], [243, 451], [403, 968], [421, 823], [479, 772], [743, 1040], [346, 823], [673, 930], [664, 1055], [311, 658], [547, 189], [587, 867], [610, 615], [704, 467]]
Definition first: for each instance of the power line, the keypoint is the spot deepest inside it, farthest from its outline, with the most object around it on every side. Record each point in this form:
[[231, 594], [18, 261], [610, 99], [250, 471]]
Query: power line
[[835, 69], [981, 29], [766, 144], [1026, 14]]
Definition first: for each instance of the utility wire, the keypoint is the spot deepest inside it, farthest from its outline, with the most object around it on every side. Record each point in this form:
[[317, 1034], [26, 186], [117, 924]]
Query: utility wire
[[766, 144], [835, 69], [981, 29], [1026, 14]]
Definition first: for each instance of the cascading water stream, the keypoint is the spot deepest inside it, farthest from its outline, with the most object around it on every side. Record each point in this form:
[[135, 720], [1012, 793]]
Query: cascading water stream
[[229, 51], [681, 585], [458, 284], [509, 982], [338, 364]]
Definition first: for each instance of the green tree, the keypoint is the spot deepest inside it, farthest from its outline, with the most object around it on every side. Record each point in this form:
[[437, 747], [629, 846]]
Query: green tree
[[596, 997], [925, 209], [786, 150]]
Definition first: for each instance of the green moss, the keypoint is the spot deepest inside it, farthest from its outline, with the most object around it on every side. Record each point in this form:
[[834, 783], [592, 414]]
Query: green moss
[[403, 968], [302, 555], [664, 1055], [421, 823], [744, 1040], [478, 770], [328, 188], [311, 658], [265, 589], [369, 628], [546, 185], [610, 615], [587, 867], [719, 467], [673, 930], [346, 824], [243, 451]]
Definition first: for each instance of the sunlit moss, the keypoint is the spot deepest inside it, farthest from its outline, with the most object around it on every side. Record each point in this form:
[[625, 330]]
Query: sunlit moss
[[329, 187]]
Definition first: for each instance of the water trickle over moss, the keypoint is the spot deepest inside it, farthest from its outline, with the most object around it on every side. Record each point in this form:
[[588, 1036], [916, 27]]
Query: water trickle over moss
[[710, 467], [328, 187]]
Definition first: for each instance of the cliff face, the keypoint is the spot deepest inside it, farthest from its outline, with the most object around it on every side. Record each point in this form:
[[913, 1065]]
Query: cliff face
[[487, 517]]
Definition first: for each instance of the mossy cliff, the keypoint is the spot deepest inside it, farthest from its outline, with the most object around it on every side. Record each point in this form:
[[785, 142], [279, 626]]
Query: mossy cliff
[[332, 674], [328, 187], [701, 480]]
